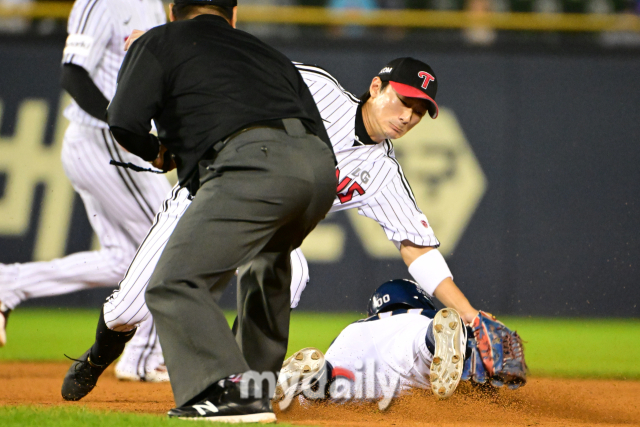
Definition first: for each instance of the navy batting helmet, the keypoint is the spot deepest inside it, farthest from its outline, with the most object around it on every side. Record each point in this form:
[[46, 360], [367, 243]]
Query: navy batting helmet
[[399, 293]]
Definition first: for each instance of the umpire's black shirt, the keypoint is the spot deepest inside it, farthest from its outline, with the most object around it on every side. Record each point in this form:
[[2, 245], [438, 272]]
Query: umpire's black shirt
[[201, 80]]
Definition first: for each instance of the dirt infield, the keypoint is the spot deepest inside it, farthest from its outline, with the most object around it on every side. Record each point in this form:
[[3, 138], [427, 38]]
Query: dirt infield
[[542, 402]]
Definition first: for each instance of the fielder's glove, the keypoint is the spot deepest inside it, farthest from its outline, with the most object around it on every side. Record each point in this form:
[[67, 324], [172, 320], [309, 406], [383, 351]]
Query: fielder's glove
[[496, 354]]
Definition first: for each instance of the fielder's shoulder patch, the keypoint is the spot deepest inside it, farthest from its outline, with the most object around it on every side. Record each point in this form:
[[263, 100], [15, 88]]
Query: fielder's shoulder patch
[[78, 44]]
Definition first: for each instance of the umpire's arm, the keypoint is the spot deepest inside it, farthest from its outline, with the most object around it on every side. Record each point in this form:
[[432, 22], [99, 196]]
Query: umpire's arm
[[137, 100]]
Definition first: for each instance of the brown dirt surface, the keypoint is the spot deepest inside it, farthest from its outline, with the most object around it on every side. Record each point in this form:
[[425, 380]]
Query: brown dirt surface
[[542, 402]]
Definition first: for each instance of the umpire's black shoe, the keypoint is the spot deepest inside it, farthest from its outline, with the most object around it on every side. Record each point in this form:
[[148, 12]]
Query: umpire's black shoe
[[225, 405], [81, 377]]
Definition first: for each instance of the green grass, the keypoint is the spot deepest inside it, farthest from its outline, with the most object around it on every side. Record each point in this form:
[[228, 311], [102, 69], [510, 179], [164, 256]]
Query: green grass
[[34, 416], [49, 334], [580, 348], [595, 348]]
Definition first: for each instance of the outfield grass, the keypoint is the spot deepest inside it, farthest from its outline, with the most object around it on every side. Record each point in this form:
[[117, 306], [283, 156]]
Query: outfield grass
[[33, 416], [580, 348], [48, 334], [590, 348]]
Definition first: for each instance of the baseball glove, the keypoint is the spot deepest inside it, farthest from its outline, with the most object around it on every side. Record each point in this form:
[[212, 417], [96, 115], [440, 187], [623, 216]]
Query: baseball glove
[[495, 353]]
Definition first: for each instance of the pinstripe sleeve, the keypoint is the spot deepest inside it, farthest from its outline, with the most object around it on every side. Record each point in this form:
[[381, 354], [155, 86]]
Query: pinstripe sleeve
[[90, 29], [334, 104], [394, 208]]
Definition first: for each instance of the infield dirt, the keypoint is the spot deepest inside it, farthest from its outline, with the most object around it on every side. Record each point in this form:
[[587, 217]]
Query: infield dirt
[[542, 402]]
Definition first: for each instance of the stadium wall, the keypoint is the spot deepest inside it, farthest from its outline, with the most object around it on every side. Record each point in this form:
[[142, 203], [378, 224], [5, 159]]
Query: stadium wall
[[529, 177]]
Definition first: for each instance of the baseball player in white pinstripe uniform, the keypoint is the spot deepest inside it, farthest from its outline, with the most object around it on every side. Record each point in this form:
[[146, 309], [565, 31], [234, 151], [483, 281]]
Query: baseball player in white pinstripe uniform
[[369, 176], [121, 205], [370, 179]]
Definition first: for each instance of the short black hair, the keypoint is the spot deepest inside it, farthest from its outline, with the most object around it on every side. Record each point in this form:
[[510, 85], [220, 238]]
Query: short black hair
[[365, 97], [182, 11]]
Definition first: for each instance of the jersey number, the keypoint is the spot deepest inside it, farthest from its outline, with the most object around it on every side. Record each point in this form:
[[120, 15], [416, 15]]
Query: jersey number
[[355, 187]]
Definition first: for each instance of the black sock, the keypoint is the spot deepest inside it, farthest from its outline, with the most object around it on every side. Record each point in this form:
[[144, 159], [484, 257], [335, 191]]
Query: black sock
[[109, 344]]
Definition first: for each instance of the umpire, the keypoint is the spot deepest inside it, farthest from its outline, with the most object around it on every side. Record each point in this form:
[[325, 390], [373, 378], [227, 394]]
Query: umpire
[[250, 145]]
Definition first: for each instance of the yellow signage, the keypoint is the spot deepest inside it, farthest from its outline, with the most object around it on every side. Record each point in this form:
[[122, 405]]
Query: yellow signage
[[26, 162]]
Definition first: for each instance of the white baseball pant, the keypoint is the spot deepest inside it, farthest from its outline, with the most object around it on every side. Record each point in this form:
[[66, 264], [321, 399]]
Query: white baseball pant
[[126, 307]]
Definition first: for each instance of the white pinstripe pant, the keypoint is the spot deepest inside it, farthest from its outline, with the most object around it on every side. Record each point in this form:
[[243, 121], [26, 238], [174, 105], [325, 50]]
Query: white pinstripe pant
[[126, 307]]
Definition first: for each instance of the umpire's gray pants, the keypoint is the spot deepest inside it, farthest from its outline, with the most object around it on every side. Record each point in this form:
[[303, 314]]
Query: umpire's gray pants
[[265, 191]]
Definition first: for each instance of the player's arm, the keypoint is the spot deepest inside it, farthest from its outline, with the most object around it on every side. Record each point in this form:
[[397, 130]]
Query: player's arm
[[77, 82], [90, 31], [430, 270], [137, 100]]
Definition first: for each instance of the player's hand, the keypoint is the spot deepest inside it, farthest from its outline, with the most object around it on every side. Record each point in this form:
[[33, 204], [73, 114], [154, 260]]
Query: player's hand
[[164, 160], [135, 34]]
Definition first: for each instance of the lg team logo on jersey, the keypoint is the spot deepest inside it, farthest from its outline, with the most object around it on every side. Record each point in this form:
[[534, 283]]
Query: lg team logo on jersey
[[364, 175], [428, 78]]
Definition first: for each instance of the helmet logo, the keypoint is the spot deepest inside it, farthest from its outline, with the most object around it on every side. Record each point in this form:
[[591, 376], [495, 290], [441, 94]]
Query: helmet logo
[[428, 78], [377, 302]]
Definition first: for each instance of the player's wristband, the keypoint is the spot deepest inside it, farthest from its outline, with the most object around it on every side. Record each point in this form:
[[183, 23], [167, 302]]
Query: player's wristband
[[430, 270]]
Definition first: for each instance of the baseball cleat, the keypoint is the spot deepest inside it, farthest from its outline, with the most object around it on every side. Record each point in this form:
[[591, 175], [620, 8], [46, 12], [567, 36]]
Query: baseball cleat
[[307, 365], [81, 377], [4, 318], [157, 375], [225, 404], [447, 364]]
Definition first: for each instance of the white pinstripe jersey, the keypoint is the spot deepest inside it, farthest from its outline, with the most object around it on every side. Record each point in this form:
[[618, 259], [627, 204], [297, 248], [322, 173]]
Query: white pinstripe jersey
[[97, 33], [369, 176]]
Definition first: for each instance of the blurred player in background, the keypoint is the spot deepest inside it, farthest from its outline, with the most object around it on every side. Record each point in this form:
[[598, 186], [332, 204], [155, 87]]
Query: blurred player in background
[[403, 344], [120, 205]]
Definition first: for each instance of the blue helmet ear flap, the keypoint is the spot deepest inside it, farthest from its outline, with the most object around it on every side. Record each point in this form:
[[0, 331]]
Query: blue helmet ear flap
[[398, 293]]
